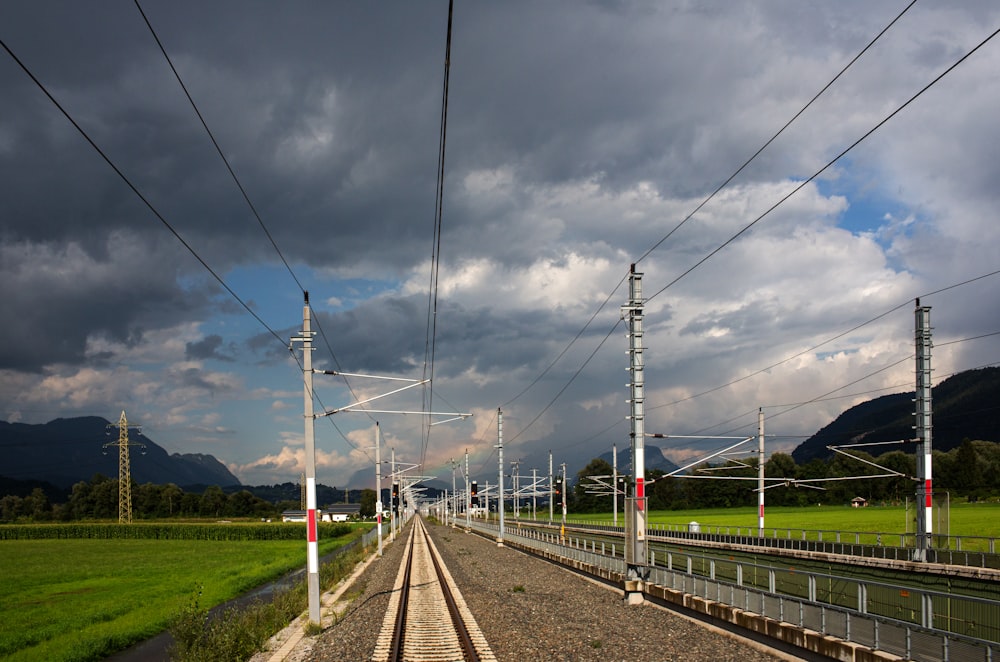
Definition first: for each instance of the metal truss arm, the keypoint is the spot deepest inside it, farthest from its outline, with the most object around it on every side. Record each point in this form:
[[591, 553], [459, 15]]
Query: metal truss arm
[[377, 397], [837, 449], [708, 457]]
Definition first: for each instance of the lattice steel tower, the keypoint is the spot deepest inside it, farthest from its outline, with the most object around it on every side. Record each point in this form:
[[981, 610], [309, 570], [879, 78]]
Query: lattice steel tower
[[124, 469]]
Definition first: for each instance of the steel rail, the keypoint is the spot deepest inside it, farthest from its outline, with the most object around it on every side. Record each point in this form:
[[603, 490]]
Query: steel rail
[[397, 649], [399, 628], [464, 638]]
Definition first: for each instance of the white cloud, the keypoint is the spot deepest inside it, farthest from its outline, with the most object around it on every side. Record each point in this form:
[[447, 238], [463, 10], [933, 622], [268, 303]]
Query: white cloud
[[570, 153]]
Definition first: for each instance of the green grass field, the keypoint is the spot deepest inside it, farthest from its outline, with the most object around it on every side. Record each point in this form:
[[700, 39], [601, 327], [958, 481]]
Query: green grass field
[[966, 519], [82, 599]]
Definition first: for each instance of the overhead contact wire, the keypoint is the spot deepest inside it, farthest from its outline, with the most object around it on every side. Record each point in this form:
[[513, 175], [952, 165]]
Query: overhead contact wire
[[813, 177], [246, 198], [722, 186], [431, 340], [218, 149], [775, 136], [138, 194]]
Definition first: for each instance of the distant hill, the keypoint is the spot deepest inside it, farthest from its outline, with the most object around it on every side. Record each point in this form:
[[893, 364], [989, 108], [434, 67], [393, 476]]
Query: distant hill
[[965, 406], [23, 488], [654, 460], [67, 450], [325, 494]]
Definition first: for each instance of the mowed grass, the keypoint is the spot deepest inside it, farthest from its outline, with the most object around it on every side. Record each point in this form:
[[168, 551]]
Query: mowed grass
[[966, 519], [74, 600]]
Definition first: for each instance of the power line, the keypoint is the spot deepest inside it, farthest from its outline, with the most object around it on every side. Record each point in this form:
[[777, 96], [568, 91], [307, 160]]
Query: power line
[[781, 201], [250, 204], [775, 136], [432, 294], [776, 364], [828, 341], [714, 193], [571, 343], [812, 177], [825, 397], [153, 209], [979, 337], [218, 149], [852, 383], [782, 361], [895, 387], [566, 386], [560, 393], [136, 191]]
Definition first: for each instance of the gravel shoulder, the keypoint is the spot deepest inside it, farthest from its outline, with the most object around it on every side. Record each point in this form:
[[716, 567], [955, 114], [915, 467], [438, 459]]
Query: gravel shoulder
[[528, 610]]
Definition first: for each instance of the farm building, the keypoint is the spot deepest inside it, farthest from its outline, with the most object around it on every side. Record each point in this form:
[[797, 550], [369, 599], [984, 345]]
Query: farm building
[[340, 512]]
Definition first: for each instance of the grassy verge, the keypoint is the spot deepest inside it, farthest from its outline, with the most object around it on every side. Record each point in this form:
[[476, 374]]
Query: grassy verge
[[240, 632], [82, 599]]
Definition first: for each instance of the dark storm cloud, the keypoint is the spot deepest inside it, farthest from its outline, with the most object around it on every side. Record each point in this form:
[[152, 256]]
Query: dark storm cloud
[[59, 297], [196, 379], [314, 140], [387, 335], [208, 348], [579, 134]]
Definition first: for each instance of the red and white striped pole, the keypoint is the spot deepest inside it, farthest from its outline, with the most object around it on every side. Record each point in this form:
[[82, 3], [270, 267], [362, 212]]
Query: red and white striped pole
[[378, 486], [637, 570], [312, 537], [922, 400], [760, 472]]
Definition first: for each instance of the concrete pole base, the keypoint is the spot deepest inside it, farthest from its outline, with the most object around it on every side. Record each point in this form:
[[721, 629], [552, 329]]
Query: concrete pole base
[[633, 592]]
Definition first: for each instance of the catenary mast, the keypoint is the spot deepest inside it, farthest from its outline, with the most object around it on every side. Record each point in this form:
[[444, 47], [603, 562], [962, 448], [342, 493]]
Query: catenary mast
[[637, 569]]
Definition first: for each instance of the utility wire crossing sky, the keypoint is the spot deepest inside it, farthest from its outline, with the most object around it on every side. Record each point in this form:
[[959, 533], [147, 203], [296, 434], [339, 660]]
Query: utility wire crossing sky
[[788, 176]]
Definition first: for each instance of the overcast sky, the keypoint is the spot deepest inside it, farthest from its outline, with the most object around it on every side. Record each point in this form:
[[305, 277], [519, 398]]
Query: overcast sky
[[579, 135]]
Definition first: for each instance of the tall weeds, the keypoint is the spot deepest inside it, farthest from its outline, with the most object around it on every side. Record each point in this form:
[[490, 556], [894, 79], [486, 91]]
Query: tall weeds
[[237, 633]]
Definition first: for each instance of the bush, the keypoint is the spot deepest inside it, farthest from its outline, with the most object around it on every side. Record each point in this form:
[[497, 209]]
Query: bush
[[236, 633]]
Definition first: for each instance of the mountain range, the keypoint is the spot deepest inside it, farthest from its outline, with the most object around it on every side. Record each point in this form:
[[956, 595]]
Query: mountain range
[[654, 460], [67, 450], [965, 406]]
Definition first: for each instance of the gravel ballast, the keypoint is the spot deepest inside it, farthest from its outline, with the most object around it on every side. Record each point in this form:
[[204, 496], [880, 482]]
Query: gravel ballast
[[529, 609]]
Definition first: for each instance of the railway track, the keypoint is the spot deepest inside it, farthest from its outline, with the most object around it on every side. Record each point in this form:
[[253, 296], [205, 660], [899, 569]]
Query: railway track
[[427, 618]]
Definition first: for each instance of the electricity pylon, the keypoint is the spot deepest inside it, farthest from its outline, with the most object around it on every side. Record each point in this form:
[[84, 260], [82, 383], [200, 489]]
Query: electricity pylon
[[124, 470]]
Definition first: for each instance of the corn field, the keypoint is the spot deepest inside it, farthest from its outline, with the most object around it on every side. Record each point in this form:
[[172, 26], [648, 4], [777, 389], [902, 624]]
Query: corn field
[[257, 531]]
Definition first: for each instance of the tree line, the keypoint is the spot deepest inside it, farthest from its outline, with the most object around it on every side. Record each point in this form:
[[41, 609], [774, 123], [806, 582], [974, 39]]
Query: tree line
[[98, 499], [970, 471]]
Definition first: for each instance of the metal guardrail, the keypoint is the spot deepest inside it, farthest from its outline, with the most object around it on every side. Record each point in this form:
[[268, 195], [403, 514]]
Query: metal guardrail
[[973, 551], [372, 534], [892, 546], [913, 623]]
